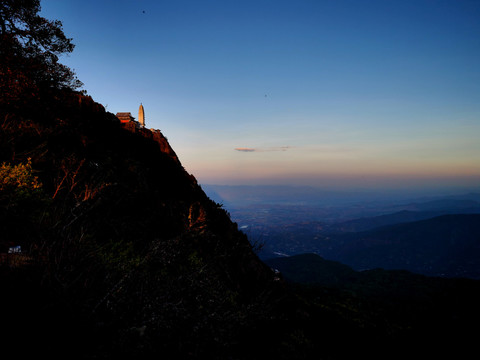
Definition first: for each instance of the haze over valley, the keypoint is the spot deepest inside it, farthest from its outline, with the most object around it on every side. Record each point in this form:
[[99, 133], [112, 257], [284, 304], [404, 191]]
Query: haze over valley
[[357, 228]]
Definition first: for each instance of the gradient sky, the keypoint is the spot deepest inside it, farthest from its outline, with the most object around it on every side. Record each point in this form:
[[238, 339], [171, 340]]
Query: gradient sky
[[324, 93]]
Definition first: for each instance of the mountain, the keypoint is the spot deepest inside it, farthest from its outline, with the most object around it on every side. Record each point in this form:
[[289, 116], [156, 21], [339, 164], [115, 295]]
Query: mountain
[[403, 216], [472, 196], [448, 205], [122, 253], [447, 245]]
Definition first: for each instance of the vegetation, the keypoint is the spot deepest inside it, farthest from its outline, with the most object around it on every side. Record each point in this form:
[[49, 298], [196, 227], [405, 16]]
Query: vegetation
[[30, 46], [17, 183]]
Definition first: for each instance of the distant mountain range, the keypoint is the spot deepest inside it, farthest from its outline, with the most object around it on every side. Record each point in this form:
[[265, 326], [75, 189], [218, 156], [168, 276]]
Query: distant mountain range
[[412, 212], [447, 245], [445, 205]]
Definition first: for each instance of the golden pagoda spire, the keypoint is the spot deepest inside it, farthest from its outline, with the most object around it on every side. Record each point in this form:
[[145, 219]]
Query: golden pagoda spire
[[141, 115]]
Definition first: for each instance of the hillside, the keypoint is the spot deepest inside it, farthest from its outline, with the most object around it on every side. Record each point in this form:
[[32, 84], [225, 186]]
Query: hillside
[[430, 317], [115, 233]]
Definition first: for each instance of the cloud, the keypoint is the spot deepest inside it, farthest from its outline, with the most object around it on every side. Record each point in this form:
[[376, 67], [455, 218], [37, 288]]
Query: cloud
[[275, 148], [245, 149]]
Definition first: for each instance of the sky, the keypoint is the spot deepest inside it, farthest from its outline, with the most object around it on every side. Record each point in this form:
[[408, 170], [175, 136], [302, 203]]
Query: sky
[[297, 92]]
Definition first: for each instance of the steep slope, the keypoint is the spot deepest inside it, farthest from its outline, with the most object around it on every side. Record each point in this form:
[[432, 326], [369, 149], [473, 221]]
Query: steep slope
[[117, 235]]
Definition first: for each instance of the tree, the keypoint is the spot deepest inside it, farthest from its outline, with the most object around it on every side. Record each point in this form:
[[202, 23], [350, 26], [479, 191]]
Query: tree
[[29, 49]]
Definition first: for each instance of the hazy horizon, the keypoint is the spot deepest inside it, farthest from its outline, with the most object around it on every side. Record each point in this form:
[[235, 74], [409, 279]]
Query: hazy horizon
[[370, 94], [233, 196], [453, 183]]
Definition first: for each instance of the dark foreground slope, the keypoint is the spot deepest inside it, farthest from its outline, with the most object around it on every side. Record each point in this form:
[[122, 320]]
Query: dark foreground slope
[[398, 314]]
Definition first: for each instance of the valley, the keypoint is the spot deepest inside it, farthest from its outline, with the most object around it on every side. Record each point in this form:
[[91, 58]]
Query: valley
[[435, 236]]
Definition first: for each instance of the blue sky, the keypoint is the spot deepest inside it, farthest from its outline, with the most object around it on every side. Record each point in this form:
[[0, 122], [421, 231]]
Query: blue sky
[[324, 93]]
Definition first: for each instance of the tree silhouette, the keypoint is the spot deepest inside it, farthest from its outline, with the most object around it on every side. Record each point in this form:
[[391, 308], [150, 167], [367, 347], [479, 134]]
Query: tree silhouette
[[29, 49]]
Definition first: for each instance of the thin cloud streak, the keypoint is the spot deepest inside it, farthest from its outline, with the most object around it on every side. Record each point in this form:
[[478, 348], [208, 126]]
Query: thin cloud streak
[[242, 149], [276, 148]]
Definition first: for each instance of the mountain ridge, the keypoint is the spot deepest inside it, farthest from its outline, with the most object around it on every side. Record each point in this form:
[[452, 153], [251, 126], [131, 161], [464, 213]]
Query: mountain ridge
[[403, 216], [121, 236], [444, 245]]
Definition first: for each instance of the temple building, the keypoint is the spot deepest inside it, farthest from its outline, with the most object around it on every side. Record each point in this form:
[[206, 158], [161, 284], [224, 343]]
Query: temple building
[[126, 117]]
